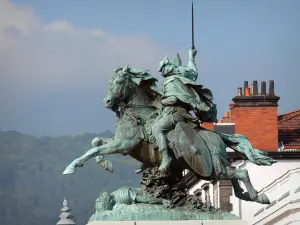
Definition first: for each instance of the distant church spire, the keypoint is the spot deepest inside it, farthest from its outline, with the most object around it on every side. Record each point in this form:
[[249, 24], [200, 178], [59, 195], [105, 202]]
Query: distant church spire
[[66, 217]]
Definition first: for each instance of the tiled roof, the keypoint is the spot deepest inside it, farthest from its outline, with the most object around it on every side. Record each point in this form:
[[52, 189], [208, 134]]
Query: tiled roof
[[289, 130], [288, 114]]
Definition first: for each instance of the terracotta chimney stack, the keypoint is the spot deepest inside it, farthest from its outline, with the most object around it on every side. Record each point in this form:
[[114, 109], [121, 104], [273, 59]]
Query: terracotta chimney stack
[[240, 91], [256, 116], [271, 88], [245, 86], [255, 88], [247, 92], [263, 88]]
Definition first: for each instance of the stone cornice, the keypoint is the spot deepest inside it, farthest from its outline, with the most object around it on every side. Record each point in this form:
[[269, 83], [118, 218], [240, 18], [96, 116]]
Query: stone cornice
[[256, 100]]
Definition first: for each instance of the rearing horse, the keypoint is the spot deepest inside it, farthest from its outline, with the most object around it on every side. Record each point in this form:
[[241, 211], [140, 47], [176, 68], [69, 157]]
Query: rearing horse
[[136, 100]]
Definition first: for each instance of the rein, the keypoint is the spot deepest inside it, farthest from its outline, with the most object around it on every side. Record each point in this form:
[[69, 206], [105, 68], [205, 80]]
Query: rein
[[140, 121], [124, 108]]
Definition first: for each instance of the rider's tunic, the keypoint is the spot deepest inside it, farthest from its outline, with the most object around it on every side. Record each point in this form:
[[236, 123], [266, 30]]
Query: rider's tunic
[[188, 96], [192, 94]]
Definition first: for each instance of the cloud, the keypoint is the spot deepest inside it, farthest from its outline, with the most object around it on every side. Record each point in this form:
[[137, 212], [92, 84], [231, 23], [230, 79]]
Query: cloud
[[62, 55], [51, 75]]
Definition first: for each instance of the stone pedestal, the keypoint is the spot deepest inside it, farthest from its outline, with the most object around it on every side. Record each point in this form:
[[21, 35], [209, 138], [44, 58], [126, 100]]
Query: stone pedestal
[[143, 214], [172, 222]]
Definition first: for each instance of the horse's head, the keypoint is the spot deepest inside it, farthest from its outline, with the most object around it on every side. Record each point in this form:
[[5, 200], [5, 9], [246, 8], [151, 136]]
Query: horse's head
[[104, 202], [131, 85], [120, 89]]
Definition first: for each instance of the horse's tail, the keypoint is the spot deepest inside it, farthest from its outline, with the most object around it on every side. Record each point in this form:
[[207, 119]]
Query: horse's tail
[[240, 144]]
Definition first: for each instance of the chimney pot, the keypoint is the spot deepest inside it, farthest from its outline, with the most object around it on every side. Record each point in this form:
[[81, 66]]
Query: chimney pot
[[226, 115], [247, 92], [271, 88], [255, 88], [240, 91], [263, 88], [245, 86]]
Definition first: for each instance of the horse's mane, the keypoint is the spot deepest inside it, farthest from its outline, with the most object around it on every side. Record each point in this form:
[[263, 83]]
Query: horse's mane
[[143, 79], [147, 81]]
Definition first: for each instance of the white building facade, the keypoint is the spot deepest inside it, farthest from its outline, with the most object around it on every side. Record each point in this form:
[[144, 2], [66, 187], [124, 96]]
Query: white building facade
[[280, 182]]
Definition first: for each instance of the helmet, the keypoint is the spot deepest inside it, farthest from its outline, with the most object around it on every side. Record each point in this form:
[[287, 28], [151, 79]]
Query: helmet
[[122, 69], [163, 63]]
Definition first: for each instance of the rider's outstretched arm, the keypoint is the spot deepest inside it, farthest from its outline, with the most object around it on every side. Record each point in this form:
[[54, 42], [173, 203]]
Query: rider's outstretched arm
[[192, 63]]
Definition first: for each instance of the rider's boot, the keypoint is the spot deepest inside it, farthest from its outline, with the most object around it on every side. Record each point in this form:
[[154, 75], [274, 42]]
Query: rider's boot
[[166, 160]]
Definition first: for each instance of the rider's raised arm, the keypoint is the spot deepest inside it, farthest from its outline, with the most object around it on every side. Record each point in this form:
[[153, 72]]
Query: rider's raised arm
[[192, 63]]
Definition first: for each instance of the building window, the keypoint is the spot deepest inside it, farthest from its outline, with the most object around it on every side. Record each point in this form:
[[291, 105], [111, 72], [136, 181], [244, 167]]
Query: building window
[[205, 187]]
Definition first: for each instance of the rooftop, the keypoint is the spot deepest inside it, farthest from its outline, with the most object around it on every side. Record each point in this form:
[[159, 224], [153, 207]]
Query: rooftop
[[288, 114], [289, 129]]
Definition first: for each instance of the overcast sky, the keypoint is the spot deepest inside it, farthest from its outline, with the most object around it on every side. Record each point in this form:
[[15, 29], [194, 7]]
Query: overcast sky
[[56, 56]]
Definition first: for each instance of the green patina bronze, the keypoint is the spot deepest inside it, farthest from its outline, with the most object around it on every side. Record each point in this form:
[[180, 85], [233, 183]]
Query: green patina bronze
[[134, 212], [156, 127]]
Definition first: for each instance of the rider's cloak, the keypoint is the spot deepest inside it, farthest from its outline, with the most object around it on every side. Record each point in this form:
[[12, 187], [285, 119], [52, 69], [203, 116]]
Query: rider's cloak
[[198, 98]]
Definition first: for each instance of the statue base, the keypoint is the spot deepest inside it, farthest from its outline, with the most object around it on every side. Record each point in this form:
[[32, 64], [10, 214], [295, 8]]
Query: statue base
[[171, 222], [147, 212]]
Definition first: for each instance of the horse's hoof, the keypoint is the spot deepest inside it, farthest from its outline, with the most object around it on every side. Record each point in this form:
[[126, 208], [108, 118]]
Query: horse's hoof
[[69, 170], [262, 199], [138, 170]]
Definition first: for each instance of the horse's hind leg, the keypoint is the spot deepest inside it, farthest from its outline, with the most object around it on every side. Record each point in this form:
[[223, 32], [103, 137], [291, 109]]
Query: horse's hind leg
[[242, 174], [238, 190], [113, 147]]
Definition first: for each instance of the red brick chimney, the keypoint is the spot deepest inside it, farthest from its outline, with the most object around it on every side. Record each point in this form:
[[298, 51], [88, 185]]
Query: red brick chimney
[[256, 115], [209, 126]]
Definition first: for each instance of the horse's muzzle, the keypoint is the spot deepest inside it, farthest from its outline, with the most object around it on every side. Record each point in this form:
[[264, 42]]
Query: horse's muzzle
[[107, 103]]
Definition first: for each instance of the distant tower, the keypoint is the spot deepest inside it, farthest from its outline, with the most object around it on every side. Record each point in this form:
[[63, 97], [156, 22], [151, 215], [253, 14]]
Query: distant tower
[[66, 217]]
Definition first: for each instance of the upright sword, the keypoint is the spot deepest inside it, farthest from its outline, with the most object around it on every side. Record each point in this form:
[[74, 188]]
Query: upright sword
[[193, 43]]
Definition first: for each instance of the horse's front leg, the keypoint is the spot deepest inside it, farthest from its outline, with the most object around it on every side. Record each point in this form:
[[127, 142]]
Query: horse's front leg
[[98, 141], [113, 147]]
